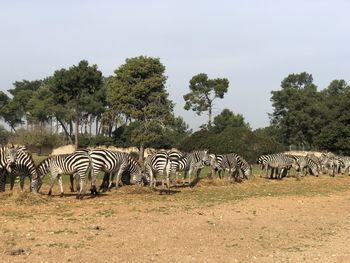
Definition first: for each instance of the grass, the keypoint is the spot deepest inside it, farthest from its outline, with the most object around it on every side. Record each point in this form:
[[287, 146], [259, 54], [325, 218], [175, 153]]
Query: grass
[[206, 191]]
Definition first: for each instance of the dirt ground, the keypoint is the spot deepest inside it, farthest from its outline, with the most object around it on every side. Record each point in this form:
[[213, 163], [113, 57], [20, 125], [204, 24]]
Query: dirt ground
[[257, 221]]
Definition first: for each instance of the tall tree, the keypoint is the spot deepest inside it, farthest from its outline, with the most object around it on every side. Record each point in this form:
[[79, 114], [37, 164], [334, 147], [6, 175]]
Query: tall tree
[[334, 134], [70, 86], [138, 91], [203, 92], [297, 110]]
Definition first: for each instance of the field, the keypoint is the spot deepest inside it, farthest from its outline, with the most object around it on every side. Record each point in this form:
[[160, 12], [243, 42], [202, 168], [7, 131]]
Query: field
[[262, 220]]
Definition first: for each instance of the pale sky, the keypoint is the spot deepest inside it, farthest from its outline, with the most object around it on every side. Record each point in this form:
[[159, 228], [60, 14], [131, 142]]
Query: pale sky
[[254, 43]]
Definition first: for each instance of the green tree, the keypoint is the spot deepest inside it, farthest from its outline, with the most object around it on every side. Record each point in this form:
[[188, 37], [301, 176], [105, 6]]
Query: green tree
[[298, 110], [334, 134], [228, 119], [9, 111], [138, 91], [70, 86], [203, 92]]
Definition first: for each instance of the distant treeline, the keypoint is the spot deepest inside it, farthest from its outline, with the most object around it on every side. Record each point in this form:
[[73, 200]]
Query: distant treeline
[[132, 108]]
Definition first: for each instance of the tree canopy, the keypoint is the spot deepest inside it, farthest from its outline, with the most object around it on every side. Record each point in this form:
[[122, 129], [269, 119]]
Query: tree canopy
[[138, 91], [203, 92]]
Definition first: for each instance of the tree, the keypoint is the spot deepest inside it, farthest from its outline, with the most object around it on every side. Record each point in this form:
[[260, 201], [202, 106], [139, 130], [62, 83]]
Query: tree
[[9, 111], [138, 91], [298, 110], [228, 119], [70, 86], [335, 132], [203, 92]]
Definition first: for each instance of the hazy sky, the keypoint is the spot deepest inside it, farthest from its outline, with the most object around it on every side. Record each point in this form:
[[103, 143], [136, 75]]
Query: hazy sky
[[255, 44]]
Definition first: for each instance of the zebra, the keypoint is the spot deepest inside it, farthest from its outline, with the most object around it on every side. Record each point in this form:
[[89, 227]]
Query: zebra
[[7, 163], [306, 164], [160, 164], [346, 164], [188, 162], [219, 164], [77, 164], [110, 162], [279, 162], [330, 163], [24, 166]]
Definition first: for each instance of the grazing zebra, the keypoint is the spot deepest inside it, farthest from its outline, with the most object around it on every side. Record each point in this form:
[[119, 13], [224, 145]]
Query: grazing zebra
[[306, 164], [77, 164], [330, 163], [113, 162], [160, 164], [279, 162], [218, 164], [188, 162], [346, 164], [7, 163], [24, 166]]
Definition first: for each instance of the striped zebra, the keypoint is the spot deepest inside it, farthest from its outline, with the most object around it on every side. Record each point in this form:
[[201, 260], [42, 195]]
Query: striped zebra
[[160, 164], [306, 164], [77, 164], [7, 163], [279, 164], [113, 162], [221, 162], [24, 166], [188, 162], [330, 163], [346, 164]]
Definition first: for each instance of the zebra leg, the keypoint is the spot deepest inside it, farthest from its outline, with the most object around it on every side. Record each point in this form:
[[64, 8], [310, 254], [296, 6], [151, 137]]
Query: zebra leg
[[82, 187], [168, 183], [22, 178], [12, 180], [53, 179], [2, 181], [61, 185], [189, 175], [71, 178], [105, 183], [120, 172]]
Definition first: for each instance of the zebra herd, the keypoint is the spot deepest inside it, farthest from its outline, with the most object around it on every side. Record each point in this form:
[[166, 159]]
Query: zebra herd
[[162, 166], [281, 163]]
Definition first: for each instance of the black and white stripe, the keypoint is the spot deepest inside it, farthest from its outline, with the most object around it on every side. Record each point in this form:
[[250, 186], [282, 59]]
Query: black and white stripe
[[77, 164], [160, 164], [188, 162], [279, 164], [113, 162], [231, 161], [7, 163], [24, 166]]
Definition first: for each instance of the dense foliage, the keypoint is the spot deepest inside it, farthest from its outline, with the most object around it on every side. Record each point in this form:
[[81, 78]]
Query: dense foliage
[[309, 118]]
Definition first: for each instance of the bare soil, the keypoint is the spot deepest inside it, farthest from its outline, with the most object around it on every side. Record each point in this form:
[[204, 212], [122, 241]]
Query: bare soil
[[215, 221]]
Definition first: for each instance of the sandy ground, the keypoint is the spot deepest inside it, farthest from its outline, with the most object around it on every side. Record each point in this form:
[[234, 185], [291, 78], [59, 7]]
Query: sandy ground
[[192, 225]]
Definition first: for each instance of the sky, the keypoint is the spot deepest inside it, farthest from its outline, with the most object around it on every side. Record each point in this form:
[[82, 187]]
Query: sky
[[253, 43]]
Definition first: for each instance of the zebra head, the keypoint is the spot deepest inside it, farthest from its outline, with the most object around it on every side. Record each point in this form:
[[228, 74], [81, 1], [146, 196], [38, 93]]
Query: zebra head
[[11, 156], [36, 184], [204, 156]]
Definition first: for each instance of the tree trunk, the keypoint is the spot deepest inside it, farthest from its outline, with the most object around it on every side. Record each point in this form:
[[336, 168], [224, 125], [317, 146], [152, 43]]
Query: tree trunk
[[90, 125], [70, 127], [76, 124], [142, 152], [210, 117], [65, 131], [97, 125]]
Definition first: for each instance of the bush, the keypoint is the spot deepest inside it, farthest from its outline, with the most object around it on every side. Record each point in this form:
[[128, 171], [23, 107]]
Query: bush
[[37, 138]]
